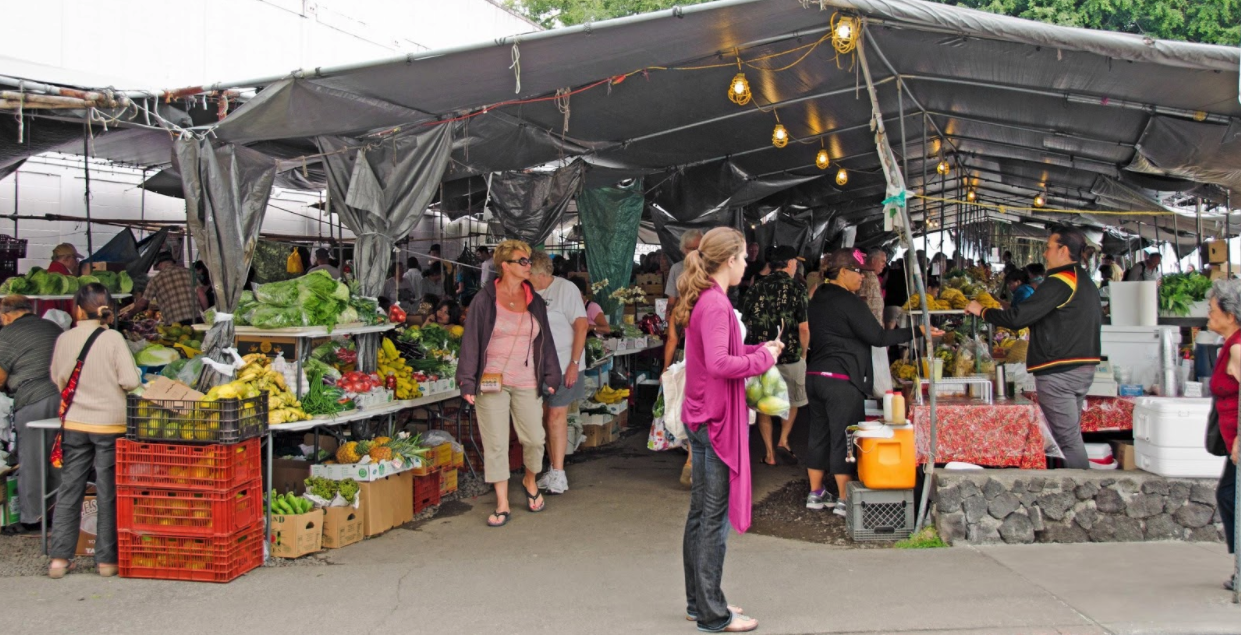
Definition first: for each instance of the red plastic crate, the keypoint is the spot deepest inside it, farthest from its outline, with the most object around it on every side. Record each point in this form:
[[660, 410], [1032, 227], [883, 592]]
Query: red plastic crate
[[188, 513], [208, 468], [216, 559], [426, 491]]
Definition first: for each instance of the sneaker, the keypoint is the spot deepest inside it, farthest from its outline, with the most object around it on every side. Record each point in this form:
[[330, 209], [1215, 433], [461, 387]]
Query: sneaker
[[545, 481], [840, 509], [557, 482], [819, 500]]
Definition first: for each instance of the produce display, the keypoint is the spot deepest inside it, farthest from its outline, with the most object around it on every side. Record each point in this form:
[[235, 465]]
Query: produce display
[[391, 363], [902, 369], [401, 449], [257, 375], [290, 504], [321, 399], [1178, 291], [606, 395], [434, 348], [327, 490], [768, 393], [315, 299], [40, 282]]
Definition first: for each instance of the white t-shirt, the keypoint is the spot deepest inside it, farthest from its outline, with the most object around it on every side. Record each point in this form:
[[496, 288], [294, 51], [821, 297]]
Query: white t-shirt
[[670, 288], [413, 282], [564, 307]]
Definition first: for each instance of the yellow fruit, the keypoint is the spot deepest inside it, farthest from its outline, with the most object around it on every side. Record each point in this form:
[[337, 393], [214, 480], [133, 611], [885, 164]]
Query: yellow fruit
[[348, 453], [380, 453]]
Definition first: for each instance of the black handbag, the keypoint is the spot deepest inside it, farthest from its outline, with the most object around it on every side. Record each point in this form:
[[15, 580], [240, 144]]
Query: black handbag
[[1215, 439]]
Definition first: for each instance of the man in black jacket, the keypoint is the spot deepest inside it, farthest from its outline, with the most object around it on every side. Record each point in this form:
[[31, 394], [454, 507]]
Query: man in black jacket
[[1065, 318]]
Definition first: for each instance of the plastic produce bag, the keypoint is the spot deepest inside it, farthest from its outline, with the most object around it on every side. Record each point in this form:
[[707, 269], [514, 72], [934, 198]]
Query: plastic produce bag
[[275, 317], [660, 437], [672, 384], [185, 371], [768, 394], [278, 293], [973, 358]]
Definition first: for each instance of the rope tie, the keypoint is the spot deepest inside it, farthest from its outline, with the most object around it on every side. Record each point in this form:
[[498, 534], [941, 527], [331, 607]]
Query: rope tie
[[516, 65]]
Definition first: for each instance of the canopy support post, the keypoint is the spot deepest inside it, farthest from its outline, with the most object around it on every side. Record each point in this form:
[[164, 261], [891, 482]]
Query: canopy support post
[[1198, 216], [896, 197], [90, 247]]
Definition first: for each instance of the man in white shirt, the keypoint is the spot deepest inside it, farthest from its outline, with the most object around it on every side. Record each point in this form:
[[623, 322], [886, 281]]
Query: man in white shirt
[[412, 282], [566, 316], [323, 261], [488, 266]]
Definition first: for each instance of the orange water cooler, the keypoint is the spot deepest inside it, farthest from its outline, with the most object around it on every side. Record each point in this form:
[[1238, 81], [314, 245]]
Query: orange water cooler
[[887, 463]]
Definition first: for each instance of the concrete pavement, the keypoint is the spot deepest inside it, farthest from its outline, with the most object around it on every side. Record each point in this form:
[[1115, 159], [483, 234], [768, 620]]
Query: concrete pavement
[[605, 558]]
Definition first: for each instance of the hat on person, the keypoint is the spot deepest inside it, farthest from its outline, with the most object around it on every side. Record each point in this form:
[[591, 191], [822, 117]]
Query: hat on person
[[164, 256], [66, 249], [783, 253]]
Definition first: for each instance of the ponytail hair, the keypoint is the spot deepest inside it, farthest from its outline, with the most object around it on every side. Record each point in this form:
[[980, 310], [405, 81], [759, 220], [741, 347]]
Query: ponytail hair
[[717, 246], [96, 302]]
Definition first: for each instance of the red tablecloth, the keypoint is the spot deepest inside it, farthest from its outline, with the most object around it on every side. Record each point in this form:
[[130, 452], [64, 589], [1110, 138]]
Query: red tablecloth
[[998, 435], [1104, 414]]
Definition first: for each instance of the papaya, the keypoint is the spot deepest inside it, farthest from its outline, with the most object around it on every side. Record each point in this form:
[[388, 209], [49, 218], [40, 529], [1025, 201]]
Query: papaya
[[772, 382], [753, 393], [772, 405]]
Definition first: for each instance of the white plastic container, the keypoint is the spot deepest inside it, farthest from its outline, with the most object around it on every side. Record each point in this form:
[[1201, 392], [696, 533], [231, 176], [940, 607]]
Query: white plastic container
[[1099, 451], [1170, 422], [1177, 462]]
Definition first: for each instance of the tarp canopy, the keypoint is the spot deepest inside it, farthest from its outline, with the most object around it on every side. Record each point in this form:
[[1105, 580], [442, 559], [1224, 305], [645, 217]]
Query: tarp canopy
[[226, 191], [1015, 107]]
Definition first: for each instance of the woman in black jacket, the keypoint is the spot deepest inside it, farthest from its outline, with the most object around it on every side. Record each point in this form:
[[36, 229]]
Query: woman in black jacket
[[839, 372], [508, 362]]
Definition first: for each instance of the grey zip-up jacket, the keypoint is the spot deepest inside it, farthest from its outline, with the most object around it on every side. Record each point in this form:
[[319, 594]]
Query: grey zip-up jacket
[[478, 326]]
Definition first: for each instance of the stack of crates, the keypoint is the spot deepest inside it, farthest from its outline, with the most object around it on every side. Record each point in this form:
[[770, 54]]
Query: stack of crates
[[11, 250], [189, 497]]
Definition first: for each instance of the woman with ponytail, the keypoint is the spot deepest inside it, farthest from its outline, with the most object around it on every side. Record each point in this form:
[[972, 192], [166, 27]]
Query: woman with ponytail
[[717, 363], [93, 417]]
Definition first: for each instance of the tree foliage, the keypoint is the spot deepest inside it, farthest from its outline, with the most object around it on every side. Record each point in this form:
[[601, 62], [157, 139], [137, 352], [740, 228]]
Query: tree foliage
[[1210, 21]]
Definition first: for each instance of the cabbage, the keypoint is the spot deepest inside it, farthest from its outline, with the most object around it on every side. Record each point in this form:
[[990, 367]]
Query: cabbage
[[156, 355], [341, 292], [108, 279], [275, 317], [347, 316], [282, 294], [126, 283], [85, 280]]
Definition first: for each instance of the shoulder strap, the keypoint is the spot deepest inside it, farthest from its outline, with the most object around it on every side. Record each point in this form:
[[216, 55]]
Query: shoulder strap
[[90, 341]]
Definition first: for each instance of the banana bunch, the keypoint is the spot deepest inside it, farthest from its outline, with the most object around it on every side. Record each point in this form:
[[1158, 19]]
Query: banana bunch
[[955, 298], [257, 376], [987, 301], [608, 396], [904, 370], [915, 304], [391, 363]]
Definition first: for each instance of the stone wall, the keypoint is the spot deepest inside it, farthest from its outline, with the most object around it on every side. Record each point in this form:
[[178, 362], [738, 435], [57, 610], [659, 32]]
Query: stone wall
[[1025, 506]]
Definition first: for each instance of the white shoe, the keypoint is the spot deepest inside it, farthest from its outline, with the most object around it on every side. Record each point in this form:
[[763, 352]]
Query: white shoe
[[557, 482], [544, 482], [840, 509]]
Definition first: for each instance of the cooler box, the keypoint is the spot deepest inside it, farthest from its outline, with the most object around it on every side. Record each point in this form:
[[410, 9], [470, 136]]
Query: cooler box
[[888, 463], [1177, 462], [1171, 422]]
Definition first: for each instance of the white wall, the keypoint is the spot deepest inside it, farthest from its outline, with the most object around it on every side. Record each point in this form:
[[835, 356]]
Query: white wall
[[177, 43]]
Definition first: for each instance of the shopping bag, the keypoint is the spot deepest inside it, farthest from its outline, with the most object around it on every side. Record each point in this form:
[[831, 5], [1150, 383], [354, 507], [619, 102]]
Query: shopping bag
[[672, 384], [882, 371], [768, 393]]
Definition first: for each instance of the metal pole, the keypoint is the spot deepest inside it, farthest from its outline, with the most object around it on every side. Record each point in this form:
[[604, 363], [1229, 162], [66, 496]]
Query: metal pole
[[925, 246], [142, 209], [16, 173], [90, 247], [1198, 215]]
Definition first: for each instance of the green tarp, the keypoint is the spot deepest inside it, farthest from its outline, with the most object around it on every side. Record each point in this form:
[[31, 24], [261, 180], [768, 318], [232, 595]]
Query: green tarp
[[610, 218]]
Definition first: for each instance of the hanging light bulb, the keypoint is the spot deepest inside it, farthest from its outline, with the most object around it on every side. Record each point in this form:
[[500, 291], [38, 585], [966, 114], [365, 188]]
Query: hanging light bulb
[[739, 90], [971, 195], [943, 167], [779, 136], [844, 33], [842, 177], [821, 159], [1040, 200]]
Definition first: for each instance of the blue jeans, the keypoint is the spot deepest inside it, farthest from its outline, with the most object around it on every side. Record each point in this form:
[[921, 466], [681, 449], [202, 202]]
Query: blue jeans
[[706, 535]]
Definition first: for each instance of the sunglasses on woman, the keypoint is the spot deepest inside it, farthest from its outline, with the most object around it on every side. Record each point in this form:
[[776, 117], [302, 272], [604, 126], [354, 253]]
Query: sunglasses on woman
[[525, 262]]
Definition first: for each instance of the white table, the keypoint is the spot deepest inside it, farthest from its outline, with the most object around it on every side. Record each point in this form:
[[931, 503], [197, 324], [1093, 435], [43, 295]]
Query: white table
[[43, 424]]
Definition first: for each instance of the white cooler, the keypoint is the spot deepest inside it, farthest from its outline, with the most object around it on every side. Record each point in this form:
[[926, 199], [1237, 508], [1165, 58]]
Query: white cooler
[[1177, 462], [1169, 437]]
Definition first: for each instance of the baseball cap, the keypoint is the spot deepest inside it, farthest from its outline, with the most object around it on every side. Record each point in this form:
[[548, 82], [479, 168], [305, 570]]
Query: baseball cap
[[783, 253], [66, 249]]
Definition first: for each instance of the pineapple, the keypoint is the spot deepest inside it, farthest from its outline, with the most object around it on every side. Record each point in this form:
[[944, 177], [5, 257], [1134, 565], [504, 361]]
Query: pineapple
[[380, 453], [364, 447], [381, 441], [348, 453]]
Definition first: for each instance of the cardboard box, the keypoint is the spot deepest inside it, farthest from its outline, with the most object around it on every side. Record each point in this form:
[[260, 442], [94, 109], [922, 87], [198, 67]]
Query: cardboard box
[[164, 389], [342, 526], [290, 475], [1217, 251], [652, 284], [269, 346], [87, 530], [363, 472], [1219, 271], [386, 503], [599, 430], [296, 536], [1122, 451]]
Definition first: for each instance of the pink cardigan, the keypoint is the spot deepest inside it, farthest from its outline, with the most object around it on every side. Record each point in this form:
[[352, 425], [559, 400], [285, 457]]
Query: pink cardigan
[[717, 362]]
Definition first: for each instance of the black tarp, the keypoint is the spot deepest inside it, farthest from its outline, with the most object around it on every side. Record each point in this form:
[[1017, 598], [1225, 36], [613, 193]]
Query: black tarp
[[381, 190], [226, 191], [528, 206]]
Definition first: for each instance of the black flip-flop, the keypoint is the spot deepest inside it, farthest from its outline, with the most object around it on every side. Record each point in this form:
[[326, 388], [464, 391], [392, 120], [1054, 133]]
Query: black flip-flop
[[530, 498], [785, 456], [502, 523]]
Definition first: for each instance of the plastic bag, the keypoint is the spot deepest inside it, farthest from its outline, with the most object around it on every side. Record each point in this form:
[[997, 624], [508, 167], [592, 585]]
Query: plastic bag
[[294, 263], [660, 437], [185, 371], [972, 358], [768, 394], [275, 317], [282, 293], [672, 384], [882, 371]]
